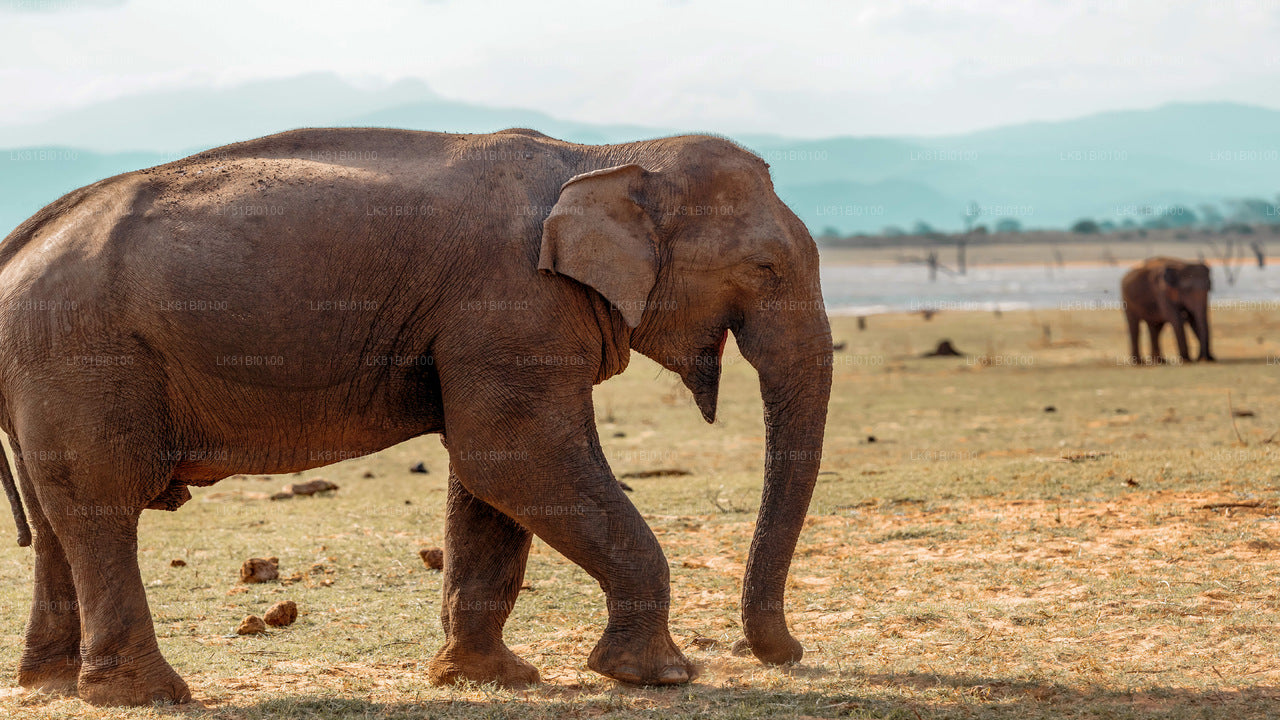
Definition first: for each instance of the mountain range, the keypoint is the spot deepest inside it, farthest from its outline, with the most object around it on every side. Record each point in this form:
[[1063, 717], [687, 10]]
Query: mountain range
[[1113, 165]]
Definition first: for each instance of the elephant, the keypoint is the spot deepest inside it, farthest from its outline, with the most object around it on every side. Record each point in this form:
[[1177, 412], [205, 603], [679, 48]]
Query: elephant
[[1165, 290], [283, 303]]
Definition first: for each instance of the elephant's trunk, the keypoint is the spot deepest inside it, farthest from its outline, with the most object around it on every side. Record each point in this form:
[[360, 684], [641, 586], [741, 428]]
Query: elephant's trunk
[[794, 363]]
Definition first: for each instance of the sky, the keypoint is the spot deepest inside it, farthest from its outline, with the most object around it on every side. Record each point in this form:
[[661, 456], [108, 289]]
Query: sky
[[870, 67]]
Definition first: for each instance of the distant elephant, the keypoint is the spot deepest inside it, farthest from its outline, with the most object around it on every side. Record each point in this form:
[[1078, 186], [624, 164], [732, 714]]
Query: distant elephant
[[287, 302], [1165, 290]]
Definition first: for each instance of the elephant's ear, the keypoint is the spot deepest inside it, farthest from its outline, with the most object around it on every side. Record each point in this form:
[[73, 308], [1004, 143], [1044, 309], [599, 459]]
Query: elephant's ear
[[1171, 277], [600, 235]]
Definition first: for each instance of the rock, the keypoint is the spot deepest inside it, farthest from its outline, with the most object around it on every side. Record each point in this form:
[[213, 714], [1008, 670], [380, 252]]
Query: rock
[[282, 495], [432, 557], [251, 625], [177, 563], [260, 570], [619, 434], [282, 613], [368, 474], [1050, 409], [420, 468], [311, 487], [871, 438], [703, 643], [944, 349]]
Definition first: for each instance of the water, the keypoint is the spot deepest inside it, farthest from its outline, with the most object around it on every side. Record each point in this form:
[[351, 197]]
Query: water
[[870, 289]]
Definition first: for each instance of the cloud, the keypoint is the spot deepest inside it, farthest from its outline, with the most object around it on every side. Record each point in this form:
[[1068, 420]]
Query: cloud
[[800, 68], [58, 6]]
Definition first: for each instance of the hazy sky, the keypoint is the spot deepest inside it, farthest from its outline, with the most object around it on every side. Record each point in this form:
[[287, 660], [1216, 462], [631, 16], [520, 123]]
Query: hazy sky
[[795, 68]]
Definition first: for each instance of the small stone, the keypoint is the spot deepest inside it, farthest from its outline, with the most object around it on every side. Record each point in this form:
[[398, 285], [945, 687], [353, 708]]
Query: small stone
[[260, 570], [178, 563], [251, 625], [311, 487], [432, 558], [368, 474], [420, 468], [282, 613], [1050, 409]]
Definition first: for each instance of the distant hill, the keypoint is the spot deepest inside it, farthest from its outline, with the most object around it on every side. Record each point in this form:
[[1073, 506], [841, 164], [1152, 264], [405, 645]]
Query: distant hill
[[1048, 174]]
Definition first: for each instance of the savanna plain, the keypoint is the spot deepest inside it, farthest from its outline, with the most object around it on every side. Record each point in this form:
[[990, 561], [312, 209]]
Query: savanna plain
[[1037, 529]]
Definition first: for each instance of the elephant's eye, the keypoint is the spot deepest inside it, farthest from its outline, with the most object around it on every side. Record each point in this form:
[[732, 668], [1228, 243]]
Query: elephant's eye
[[766, 268]]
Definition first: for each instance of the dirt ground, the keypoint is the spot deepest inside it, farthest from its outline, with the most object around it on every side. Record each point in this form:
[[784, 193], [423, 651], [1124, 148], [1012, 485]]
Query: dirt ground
[[1029, 531]]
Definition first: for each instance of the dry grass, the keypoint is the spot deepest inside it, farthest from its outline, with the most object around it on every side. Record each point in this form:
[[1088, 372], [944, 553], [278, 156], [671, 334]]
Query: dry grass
[[1117, 557]]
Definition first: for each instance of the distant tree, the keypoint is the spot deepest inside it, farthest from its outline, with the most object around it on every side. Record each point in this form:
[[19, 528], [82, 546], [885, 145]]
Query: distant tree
[[1210, 217], [1253, 211], [1008, 225], [1085, 227], [1155, 223], [921, 228], [979, 230], [830, 232], [1178, 216], [1238, 228], [892, 231], [1107, 226], [1128, 223]]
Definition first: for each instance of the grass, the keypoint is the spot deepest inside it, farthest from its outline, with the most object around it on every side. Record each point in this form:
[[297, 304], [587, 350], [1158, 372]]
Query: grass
[[1118, 557]]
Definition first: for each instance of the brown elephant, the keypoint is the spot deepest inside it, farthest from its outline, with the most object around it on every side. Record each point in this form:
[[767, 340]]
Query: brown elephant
[[1167, 291], [283, 303]]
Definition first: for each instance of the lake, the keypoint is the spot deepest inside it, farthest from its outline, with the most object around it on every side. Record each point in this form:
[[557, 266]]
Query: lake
[[871, 289]]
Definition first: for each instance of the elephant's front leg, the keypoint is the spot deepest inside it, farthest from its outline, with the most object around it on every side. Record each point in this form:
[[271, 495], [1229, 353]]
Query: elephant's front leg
[[1153, 329], [484, 561], [1180, 334], [51, 651], [538, 460]]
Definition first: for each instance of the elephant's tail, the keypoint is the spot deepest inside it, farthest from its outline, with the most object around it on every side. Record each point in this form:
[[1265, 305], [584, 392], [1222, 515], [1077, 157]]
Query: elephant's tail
[[15, 502]]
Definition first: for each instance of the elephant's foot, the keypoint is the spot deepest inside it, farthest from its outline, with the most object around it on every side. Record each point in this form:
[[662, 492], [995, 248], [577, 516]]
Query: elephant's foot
[[1208, 358], [456, 663], [656, 661], [49, 672], [123, 680]]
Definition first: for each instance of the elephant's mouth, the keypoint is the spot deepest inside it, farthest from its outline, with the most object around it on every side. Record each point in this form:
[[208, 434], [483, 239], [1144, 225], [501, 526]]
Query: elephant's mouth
[[703, 378]]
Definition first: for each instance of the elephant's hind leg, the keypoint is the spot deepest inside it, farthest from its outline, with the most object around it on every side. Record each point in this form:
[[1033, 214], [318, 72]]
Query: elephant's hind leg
[[1135, 353], [485, 554], [95, 472], [51, 651]]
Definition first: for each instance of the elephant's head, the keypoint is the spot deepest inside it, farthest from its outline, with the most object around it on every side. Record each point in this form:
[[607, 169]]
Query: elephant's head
[[1188, 285], [687, 239]]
